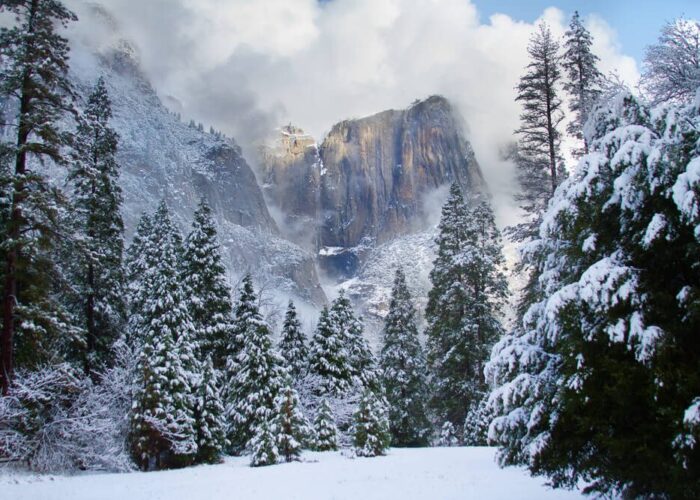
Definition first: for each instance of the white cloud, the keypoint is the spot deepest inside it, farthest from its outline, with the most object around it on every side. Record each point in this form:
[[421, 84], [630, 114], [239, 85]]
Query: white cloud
[[246, 65]]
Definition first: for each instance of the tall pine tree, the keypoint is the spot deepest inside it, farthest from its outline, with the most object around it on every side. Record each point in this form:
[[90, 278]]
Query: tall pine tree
[[97, 202], [34, 76], [292, 346], [329, 357], [403, 370], [255, 375], [583, 78], [538, 160], [463, 305], [162, 421], [204, 277]]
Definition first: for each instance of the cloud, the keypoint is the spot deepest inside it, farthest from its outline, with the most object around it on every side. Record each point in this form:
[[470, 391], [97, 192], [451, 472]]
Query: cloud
[[244, 66]]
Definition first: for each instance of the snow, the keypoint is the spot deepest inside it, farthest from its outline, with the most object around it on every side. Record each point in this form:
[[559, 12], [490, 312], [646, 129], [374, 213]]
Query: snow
[[440, 473]]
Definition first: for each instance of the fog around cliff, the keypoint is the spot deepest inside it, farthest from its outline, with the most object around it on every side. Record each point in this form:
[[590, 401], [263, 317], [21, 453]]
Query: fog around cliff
[[245, 67]]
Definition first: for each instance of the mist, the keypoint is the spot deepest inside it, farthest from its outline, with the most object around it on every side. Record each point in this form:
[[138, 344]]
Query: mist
[[246, 67]]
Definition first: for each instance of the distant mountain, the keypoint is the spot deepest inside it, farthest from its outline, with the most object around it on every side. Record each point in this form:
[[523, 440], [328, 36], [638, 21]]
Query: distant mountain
[[369, 181], [162, 157]]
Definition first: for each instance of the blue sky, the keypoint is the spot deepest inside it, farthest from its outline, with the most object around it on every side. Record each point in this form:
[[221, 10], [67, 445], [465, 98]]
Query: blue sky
[[637, 22]]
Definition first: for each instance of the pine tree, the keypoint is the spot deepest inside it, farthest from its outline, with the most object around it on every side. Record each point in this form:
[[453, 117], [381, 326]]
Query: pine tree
[[97, 202], [34, 73], [599, 382], [584, 79], [209, 412], [162, 420], [256, 374], [343, 319], [138, 260], [463, 305], [370, 428], [292, 346], [448, 435], [403, 370], [539, 165], [329, 356], [291, 426], [204, 277], [325, 430], [263, 446]]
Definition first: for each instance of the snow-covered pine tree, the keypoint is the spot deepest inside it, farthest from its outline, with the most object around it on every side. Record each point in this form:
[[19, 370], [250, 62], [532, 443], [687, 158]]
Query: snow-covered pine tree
[[370, 427], [671, 71], [291, 427], [538, 160], [255, 375], [137, 262], [329, 356], [599, 382], [342, 317], [263, 445], [583, 78], [209, 415], [34, 76], [464, 303], [448, 435], [292, 346], [325, 430], [204, 277], [162, 421], [403, 370], [97, 201]]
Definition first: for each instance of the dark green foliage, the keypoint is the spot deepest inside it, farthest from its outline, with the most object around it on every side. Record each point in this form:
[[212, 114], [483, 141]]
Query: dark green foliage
[[370, 428], [99, 274], [263, 447], [209, 415], [204, 277], [464, 305], [325, 430], [290, 426], [292, 346], [254, 376], [403, 370], [34, 80]]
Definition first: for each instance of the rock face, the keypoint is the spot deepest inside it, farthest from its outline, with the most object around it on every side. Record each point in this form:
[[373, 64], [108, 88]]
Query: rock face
[[367, 183], [163, 158]]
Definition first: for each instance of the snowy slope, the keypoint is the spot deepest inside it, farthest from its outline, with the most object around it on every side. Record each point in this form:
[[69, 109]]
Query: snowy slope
[[164, 158], [424, 473]]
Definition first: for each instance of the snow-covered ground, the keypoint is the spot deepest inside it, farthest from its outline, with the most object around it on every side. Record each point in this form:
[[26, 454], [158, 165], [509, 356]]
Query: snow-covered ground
[[428, 473]]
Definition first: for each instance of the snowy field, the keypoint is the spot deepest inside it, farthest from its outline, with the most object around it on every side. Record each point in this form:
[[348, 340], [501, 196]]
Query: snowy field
[[428, 473]]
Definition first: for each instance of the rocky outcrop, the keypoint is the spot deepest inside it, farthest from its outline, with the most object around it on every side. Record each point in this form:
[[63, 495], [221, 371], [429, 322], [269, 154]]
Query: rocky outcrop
[[164, 158], [367, 182]]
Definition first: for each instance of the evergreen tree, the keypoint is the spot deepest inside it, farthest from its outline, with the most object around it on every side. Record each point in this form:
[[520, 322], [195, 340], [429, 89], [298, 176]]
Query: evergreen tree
[[584, 79], [263, 446], [162, 421], [290, 425], [204, 277], [292, 346], [329, 356], [370, 428], [599, 383], [34, 73], [476, 425], [463, 305], [256, 374], [403, 370], [97, 202], [539, 165], [138, 261], [448, 435], [342, 317], [325, 430], [209, 414]]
